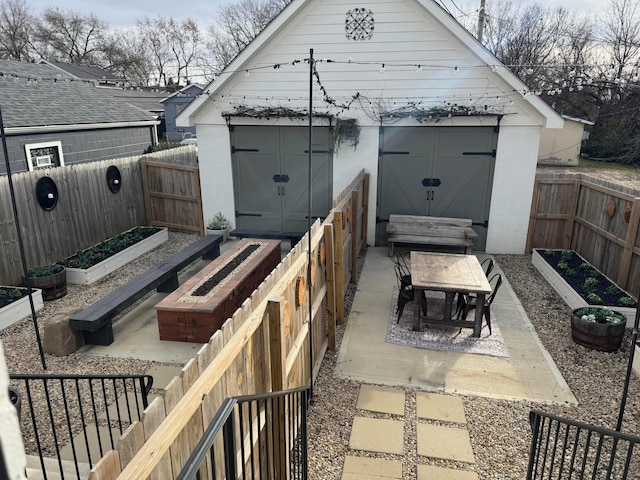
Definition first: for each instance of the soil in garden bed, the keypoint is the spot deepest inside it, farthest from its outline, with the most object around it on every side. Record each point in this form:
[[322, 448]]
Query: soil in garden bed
[[11, 294], [586, 280], [93, 255]]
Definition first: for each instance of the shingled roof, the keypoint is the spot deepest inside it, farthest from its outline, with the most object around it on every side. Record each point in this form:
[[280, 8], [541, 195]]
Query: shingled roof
[[40, 95]]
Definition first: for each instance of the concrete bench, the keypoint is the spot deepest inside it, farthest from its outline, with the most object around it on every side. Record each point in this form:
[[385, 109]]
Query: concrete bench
[[293, 237], [95, 321], [454, 232]]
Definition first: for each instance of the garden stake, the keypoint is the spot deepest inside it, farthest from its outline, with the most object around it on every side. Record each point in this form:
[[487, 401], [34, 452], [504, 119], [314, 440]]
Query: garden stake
[[20, 243]]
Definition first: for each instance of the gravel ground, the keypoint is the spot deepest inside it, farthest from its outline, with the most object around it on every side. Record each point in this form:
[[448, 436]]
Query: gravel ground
[[499, 430]]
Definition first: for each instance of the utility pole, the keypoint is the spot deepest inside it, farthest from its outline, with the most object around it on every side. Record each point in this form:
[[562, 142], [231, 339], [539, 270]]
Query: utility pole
[[481, 21]]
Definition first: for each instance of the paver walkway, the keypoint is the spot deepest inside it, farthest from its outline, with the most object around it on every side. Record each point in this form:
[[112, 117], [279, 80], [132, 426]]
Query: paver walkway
[[384, 426]]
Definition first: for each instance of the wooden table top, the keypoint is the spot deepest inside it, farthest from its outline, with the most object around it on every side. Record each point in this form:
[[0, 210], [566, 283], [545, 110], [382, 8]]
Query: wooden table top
[[448, 272]]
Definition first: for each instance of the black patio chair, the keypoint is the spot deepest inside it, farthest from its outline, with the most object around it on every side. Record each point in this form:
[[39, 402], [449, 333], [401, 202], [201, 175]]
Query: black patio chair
[[406, 294], [487, 267], [470, 301]]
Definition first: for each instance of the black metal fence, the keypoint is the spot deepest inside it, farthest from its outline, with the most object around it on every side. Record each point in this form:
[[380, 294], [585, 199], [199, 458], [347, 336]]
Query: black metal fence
[[566, 449], [254, 437], [70, 421]]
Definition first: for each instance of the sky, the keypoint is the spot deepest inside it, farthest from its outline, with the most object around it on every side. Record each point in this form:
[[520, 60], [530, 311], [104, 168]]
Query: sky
[[123, 13]]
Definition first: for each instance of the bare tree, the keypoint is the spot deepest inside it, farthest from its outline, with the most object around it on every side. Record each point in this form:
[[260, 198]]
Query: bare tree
[[69, 36], [156, 44], [237, 25], [185, 42], [125, 54], [620, 32], [15, 30]]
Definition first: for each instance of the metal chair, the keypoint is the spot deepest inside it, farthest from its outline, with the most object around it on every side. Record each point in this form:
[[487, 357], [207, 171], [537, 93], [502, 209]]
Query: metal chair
[[470, 301], [406, 293], [487, 266]]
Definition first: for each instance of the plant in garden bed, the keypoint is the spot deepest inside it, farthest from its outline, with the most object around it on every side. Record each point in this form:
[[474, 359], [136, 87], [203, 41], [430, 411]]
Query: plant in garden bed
[[93, 255], [599, 315], [587, 281], [11, 294], [598, 328]]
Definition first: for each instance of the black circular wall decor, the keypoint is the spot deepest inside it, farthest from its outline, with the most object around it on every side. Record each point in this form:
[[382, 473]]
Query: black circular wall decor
[[47, 193], [114, 179]]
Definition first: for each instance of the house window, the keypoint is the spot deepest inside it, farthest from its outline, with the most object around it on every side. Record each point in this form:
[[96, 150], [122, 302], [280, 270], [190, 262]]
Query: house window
[[44, 155]]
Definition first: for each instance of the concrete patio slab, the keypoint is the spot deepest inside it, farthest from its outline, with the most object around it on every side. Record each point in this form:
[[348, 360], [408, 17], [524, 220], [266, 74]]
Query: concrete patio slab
[[529, 372], [381, 399], [446, 408], [361, 468], [377, 435], [449, 443]]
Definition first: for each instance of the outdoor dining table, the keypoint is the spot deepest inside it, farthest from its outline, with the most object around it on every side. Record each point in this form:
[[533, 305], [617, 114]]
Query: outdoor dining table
[[451, 274]]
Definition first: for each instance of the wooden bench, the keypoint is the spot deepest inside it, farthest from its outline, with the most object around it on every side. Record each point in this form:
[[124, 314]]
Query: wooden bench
[[455, 232], [95, 321], [293, 237]]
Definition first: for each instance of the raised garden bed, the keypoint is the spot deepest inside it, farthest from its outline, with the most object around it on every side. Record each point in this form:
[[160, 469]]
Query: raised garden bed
[[14, 304], [90, 265], [570, 275]]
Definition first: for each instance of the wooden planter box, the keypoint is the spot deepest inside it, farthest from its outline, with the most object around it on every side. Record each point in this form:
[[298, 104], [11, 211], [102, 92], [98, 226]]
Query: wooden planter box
[[568, 294], [82, 276], [21, 308]]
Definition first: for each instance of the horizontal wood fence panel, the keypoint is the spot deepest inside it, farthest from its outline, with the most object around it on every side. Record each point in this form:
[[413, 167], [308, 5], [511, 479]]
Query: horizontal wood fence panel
[[264, 346], [597, 219]]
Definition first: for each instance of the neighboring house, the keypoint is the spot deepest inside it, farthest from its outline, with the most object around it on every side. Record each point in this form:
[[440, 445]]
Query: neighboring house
[[86, 72], [561, 147], [442, 127], [52, 119], [173, 105]]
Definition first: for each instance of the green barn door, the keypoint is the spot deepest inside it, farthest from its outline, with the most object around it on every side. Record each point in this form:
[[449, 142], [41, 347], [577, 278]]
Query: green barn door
[[435, 171], [270, 168]]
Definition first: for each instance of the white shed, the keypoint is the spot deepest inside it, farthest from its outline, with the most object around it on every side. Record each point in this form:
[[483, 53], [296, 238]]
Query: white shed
[[561, 147], [442, 127]]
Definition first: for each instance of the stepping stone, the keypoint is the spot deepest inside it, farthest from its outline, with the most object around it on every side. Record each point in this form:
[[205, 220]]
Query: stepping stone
[[427, 472], [381, 399], [446, 408], [361, 468], [377, 435], [444, 442]]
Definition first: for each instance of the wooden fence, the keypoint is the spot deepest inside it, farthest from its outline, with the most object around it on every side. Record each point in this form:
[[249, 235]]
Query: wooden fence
[[597, 219], [86, 213], [264, 347]]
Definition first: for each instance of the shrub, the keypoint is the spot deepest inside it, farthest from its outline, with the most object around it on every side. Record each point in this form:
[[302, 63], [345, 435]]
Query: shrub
[[45, 271], [627, 301], [594, 298], [590, 284]]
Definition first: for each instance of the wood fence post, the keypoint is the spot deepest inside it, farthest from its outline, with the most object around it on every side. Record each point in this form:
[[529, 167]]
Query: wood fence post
[[355, 238], [330, 273], [339, 262], [277, 344], [629, 244], [365, 208], [571, 219]]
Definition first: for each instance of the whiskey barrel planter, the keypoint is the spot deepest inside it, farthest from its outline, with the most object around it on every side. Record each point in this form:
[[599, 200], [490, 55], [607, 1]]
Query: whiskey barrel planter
[[53, 286], [605, 337]]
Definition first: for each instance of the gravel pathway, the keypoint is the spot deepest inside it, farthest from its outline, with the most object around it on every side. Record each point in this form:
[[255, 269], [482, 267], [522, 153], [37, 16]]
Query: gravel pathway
[[499, 429]]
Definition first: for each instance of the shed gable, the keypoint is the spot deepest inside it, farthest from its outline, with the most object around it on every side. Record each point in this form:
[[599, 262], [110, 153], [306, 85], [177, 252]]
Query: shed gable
[[412, 61]]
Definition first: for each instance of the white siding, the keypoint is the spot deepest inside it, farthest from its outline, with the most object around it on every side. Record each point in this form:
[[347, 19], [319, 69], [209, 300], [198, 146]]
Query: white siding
[[406, 34], [512, 189]]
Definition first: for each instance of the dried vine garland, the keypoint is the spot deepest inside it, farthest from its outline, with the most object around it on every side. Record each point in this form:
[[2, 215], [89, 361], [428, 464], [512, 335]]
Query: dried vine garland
[[342, 130], [436, 114]]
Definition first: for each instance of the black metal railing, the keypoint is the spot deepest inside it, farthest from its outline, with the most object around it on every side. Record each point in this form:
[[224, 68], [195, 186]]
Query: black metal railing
[[566, 449], [254, 437], [77, 418]]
